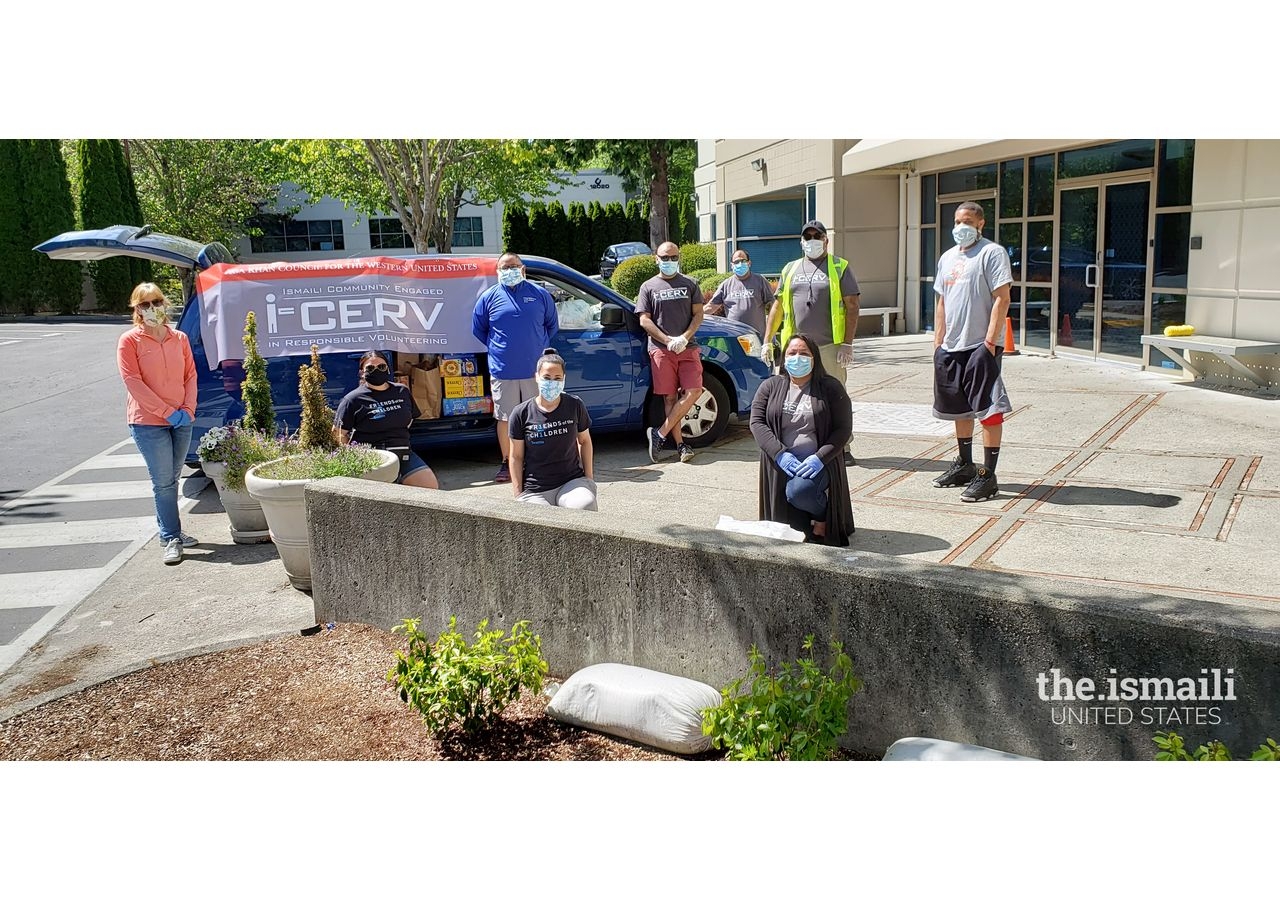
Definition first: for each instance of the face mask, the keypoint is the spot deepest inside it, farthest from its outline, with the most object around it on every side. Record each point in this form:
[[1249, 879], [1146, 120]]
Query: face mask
[[550, 388], [964, 235], [668, 268], [812, 249], [799, 366], [510, 277], [377, 377], [153, 315], [741, 268]]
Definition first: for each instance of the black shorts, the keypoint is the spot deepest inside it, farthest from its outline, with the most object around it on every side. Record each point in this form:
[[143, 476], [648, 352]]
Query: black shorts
[[967, 384]]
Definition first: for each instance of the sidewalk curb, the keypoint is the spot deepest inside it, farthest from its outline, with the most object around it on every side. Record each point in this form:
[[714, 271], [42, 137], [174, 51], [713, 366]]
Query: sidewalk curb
[[31, 703]]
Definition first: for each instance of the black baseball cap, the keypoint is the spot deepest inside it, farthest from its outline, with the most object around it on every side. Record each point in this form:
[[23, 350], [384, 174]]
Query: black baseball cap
[[814, 225]]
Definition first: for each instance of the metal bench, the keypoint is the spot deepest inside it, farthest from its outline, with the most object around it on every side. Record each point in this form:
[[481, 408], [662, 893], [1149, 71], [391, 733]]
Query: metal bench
[[884, 312], [1226, 349]]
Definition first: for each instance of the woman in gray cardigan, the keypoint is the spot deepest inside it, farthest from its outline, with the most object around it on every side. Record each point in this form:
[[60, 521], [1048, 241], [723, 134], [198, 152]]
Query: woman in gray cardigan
[[802, 420]]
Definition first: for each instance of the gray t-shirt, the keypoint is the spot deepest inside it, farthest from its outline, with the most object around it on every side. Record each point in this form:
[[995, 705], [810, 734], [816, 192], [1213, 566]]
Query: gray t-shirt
[[966, 280], [811, 298], [670, 302], [799, 434], [744, 299]]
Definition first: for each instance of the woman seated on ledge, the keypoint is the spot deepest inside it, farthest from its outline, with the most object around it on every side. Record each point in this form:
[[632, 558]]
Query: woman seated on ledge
[[801, 420], [551, 455], [379, 413]]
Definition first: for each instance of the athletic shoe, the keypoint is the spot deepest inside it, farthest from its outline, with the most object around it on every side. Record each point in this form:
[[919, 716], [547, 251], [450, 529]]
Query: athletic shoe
[[686, 452], [187, 540], [173, 552], [504, 474], [983, 486], [656, 444], [960, 473]]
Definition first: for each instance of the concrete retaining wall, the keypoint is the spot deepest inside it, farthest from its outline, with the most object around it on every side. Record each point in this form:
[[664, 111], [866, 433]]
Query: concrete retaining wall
[[945, 652]]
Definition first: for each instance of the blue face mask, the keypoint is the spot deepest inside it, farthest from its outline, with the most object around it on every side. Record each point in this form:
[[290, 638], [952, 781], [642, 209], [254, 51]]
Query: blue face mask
[[510, 277], [964, 235], [550, 388], [741, 268], [799, 366], [668, 268]]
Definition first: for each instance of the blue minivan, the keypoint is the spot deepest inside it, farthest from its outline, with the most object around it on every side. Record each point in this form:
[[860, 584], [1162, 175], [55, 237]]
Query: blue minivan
[[603, 345]]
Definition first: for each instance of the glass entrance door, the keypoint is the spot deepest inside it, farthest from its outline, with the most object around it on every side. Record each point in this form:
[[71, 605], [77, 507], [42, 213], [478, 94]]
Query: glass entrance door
[[1101, 284]]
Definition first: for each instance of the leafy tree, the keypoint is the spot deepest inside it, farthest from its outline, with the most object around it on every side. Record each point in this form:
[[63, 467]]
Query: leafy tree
[[205, 190], [102, 204], [48, 210], [422, 182], [654, 166]]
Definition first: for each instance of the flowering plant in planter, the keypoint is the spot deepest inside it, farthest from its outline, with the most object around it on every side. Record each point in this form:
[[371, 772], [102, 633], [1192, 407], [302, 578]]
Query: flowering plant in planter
[[351, 461], [240, 448]]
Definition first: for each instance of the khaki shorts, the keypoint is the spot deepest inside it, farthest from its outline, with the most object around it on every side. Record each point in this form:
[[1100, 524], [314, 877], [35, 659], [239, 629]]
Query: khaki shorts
[[508, 393]]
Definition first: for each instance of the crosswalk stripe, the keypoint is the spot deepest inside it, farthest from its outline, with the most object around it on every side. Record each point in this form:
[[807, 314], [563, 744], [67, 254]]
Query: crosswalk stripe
[[19, 590], [75, 493], [118, 461], [89, 531]]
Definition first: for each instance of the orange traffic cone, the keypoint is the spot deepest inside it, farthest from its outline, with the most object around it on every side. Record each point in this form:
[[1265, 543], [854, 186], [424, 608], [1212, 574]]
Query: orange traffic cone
[[1009, 348], [1064, 333]]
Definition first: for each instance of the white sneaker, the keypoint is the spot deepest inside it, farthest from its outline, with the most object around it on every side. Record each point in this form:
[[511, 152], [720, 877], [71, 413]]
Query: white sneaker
[[187, 540], [173, 552]]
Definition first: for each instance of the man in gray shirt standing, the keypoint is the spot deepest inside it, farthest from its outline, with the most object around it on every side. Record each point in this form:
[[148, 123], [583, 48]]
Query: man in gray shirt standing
[[972, 288], [818, 295], [743, 296], [670, 309]]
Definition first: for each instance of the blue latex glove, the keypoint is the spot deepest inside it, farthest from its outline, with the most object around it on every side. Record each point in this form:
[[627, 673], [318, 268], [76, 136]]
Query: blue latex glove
[[809, 468], [787, 462], [179, 417]]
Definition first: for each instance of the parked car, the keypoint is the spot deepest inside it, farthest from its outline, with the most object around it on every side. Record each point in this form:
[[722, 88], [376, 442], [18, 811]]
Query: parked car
[[603, 345], [616, 253]]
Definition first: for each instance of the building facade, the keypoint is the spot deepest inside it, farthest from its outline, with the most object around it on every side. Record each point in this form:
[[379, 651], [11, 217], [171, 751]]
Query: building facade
[[1108, 239], [327, 229]]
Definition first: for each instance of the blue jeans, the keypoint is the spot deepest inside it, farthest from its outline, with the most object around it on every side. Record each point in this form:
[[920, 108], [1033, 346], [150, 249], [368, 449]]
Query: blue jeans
[[810, 494], [165, 450]]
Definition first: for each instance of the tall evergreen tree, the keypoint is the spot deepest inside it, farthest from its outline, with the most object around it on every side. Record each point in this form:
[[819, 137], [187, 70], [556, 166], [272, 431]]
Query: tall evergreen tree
[[139, 269], [579, 238], [15, 250], [515, 228], [558, 233], [539, 233], [102, 203], [597, 233], [49, 210]]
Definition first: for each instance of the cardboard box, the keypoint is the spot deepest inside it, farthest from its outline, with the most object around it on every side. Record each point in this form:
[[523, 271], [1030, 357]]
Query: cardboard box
[[456, 386], [460, 364], [467, 406]]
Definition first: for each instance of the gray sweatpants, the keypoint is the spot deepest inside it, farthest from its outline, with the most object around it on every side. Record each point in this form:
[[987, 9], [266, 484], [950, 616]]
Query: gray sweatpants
[[577, 494]]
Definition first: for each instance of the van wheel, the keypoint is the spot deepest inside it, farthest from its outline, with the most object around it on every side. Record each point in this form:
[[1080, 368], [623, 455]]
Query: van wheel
[[707, 421]]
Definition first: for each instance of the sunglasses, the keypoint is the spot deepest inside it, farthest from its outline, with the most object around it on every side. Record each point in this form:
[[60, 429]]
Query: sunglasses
[[146, 304], [669, 258], [381, 367]]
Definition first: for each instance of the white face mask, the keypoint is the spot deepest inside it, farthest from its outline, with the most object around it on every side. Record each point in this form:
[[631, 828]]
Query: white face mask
[[153, 315], [812, 249], [964, 235]]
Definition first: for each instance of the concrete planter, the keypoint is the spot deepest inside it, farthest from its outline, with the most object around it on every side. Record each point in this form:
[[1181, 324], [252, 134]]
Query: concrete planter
[[286, 514], [248, 523]]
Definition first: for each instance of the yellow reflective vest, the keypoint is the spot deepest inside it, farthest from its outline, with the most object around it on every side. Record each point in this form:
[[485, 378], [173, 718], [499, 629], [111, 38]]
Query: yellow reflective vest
[[835, 268]]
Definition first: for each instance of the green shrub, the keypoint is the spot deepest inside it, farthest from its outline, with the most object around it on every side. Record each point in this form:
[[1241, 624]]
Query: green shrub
[[697, 256], [316, 429], [699, 274], [453, 685], [709, 283], [255, 390], [1172, 749], [633, 272], [351, 461], [799, 714]]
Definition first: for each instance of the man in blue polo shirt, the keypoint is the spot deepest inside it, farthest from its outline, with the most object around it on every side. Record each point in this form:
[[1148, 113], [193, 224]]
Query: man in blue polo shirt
[[516, 321]]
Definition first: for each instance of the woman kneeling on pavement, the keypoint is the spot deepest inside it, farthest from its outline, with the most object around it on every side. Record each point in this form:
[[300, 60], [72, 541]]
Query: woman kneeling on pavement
[[551, 454], [379, 413], [802, 420], [159, 376]]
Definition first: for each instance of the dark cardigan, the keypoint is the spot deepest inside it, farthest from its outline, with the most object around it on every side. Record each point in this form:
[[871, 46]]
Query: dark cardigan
[[833, 421]]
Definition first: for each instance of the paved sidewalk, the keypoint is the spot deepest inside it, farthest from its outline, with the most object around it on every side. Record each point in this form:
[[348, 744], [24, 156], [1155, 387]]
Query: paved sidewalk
[[1109, 477]]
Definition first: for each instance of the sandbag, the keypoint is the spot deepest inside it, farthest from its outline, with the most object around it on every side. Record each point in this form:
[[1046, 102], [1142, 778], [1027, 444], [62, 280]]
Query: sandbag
[[778, 530], [638, 704]]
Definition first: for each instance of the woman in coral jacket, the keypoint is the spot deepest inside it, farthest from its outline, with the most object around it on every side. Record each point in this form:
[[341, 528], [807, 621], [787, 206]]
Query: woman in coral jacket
[[159, 375]]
